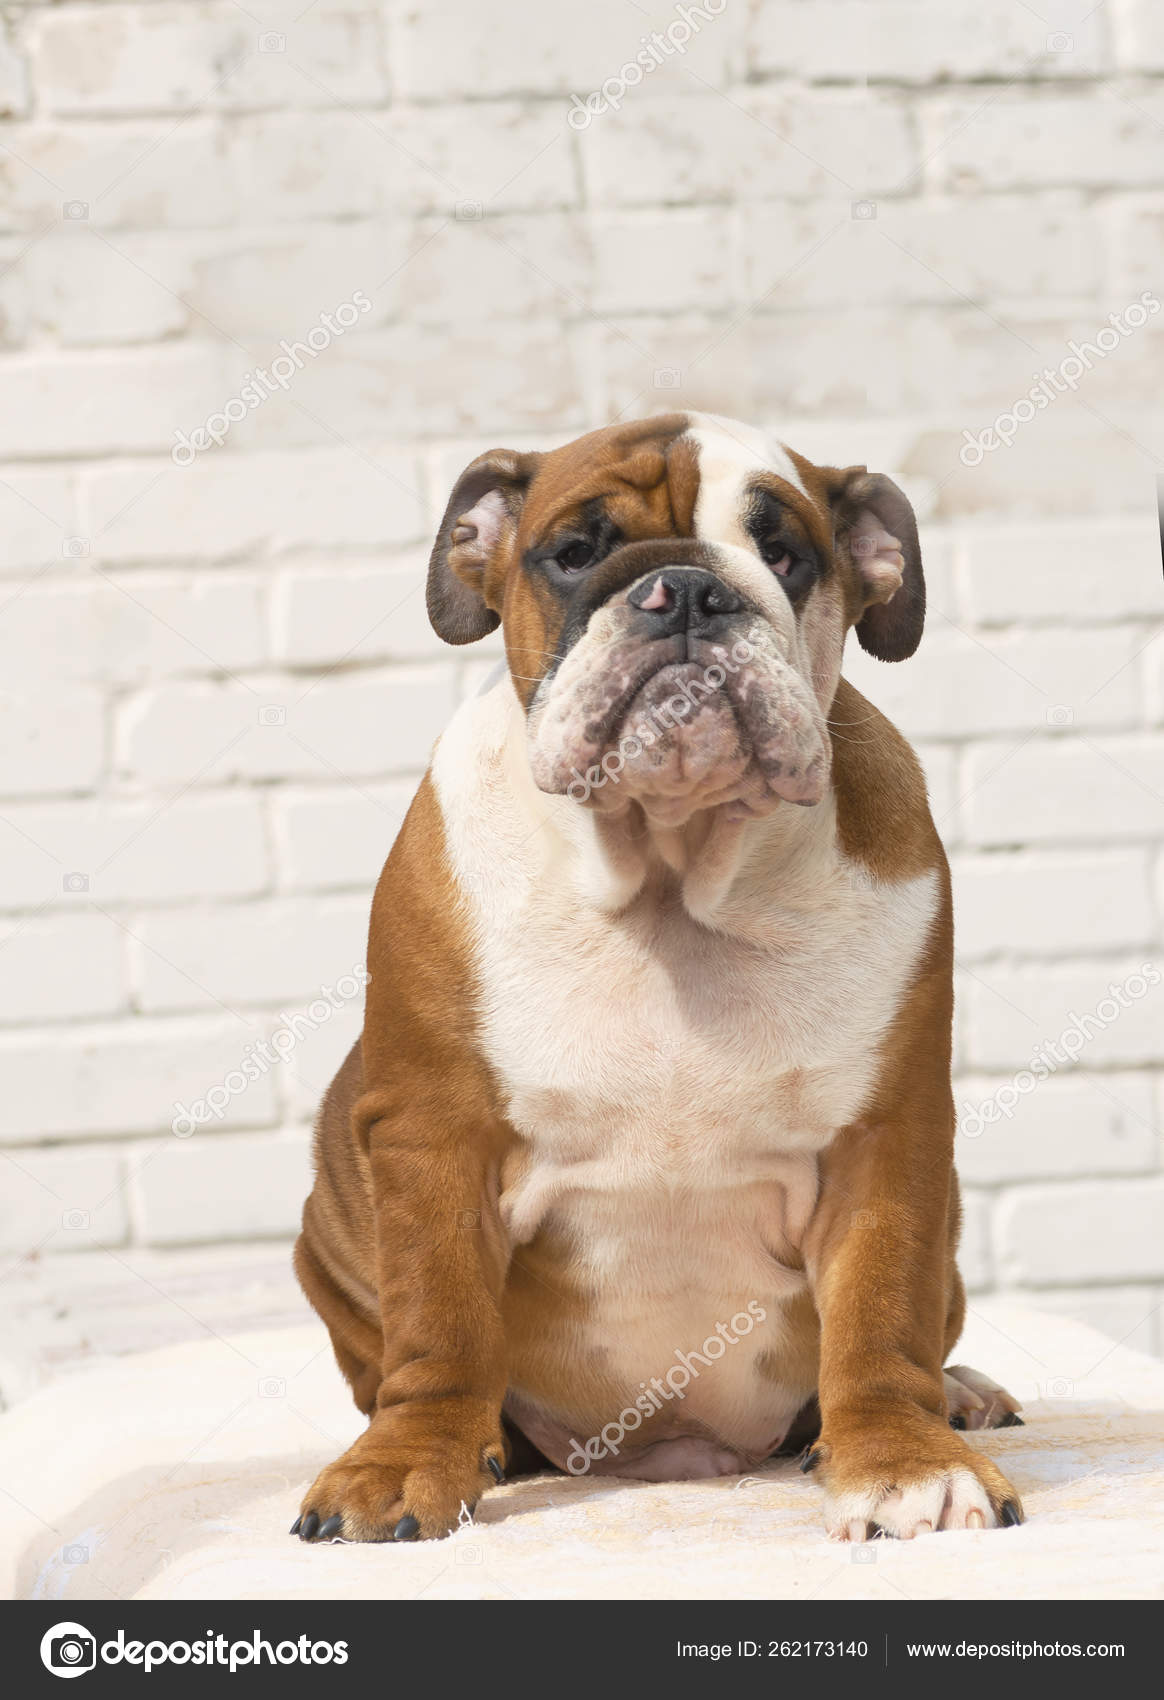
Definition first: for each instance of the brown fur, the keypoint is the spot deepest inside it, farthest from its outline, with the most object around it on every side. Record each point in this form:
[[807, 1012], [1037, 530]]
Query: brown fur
[[404, 1211], [402, 1251]]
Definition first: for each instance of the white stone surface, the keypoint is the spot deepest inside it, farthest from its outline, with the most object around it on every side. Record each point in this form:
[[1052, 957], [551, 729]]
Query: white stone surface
[[187, 1470]]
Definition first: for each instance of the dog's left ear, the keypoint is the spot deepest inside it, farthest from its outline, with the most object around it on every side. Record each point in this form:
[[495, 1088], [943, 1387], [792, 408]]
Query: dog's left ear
[[875, 524], [479, 525]]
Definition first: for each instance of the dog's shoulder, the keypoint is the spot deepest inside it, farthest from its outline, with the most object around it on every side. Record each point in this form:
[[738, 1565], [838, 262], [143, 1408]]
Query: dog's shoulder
[[883, 811]]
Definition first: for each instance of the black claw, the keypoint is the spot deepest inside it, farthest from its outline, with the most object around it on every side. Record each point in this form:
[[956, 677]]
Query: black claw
[[957, 1422], [1012, 1420], [810, 1461], [330, 1528], [495, 1466], [295, 1525], [1010, 1514], [406, 1530], [310, 1525]]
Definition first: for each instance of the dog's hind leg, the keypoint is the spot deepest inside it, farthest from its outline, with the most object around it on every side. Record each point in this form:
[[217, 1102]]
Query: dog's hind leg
[[974, 1401], [332, 1254]]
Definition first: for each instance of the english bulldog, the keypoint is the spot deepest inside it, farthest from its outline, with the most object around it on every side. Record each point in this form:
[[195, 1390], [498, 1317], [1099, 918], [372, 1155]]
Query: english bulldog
[[643, 1164]]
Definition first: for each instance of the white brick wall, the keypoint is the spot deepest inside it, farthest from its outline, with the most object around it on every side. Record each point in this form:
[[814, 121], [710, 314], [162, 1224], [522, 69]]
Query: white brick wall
[[870, 223]]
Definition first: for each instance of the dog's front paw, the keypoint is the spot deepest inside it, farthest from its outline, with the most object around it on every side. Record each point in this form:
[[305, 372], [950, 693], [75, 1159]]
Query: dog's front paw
[[414, 1474], [907, 1474]]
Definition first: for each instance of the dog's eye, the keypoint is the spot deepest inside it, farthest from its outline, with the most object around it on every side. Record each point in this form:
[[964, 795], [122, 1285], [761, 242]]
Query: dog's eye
[[777, 556], [576, 556]]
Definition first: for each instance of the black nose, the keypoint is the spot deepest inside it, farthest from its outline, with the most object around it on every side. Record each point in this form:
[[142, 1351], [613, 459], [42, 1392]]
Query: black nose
[[683, 599]]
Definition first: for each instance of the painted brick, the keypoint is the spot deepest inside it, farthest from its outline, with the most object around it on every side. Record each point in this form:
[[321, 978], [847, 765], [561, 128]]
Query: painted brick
[[117, 174], [927, 250], [315, 1060], [329, 838], [1052, 904], [185, 58], [1087, 139], [438, 57], [62, 1201], [940, 765], [340, 728], [974, 1248], [276, 954], [109, 852], [1069, 1125], [117, 1079], [1050, 573], [103, 403], [368, 612], [959, 684], [127, 628], [514, 156], [1139, 34], [226, 505], [895, 41], [51, 740], [758, 145], [1065, 790], [226, 1187], [91, 948], [38, 518], [1014, 1011], [1094, 1231], [13, 75]]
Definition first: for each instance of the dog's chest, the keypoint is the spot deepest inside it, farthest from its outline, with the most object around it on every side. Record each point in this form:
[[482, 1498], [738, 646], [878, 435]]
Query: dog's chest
[[647, 1059]]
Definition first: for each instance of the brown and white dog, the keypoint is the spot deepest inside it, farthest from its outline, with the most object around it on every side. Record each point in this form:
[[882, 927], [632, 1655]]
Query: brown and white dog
[[654, 1061]]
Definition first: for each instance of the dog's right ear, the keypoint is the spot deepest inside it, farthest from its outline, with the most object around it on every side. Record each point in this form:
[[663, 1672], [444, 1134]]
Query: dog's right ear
[[479, 526]]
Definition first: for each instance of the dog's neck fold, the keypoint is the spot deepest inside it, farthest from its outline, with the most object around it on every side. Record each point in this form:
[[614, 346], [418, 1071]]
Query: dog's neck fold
[[614, 857]]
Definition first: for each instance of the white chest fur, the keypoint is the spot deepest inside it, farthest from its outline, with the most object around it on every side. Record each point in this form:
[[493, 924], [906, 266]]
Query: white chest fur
[[672, 1084]]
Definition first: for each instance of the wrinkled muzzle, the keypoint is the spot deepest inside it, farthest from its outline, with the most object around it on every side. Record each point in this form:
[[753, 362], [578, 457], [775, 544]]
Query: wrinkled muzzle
[[680, 696]]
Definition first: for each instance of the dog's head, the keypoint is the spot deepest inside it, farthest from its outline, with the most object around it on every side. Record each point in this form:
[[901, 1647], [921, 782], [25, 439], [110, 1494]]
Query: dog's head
[[675, 595]]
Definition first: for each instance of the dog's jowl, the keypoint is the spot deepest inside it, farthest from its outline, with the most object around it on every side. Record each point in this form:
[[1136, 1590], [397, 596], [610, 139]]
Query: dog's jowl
[[644, 1162]]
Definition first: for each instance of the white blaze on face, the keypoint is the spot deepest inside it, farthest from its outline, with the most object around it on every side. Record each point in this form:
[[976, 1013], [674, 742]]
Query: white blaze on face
[[730, 454]]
